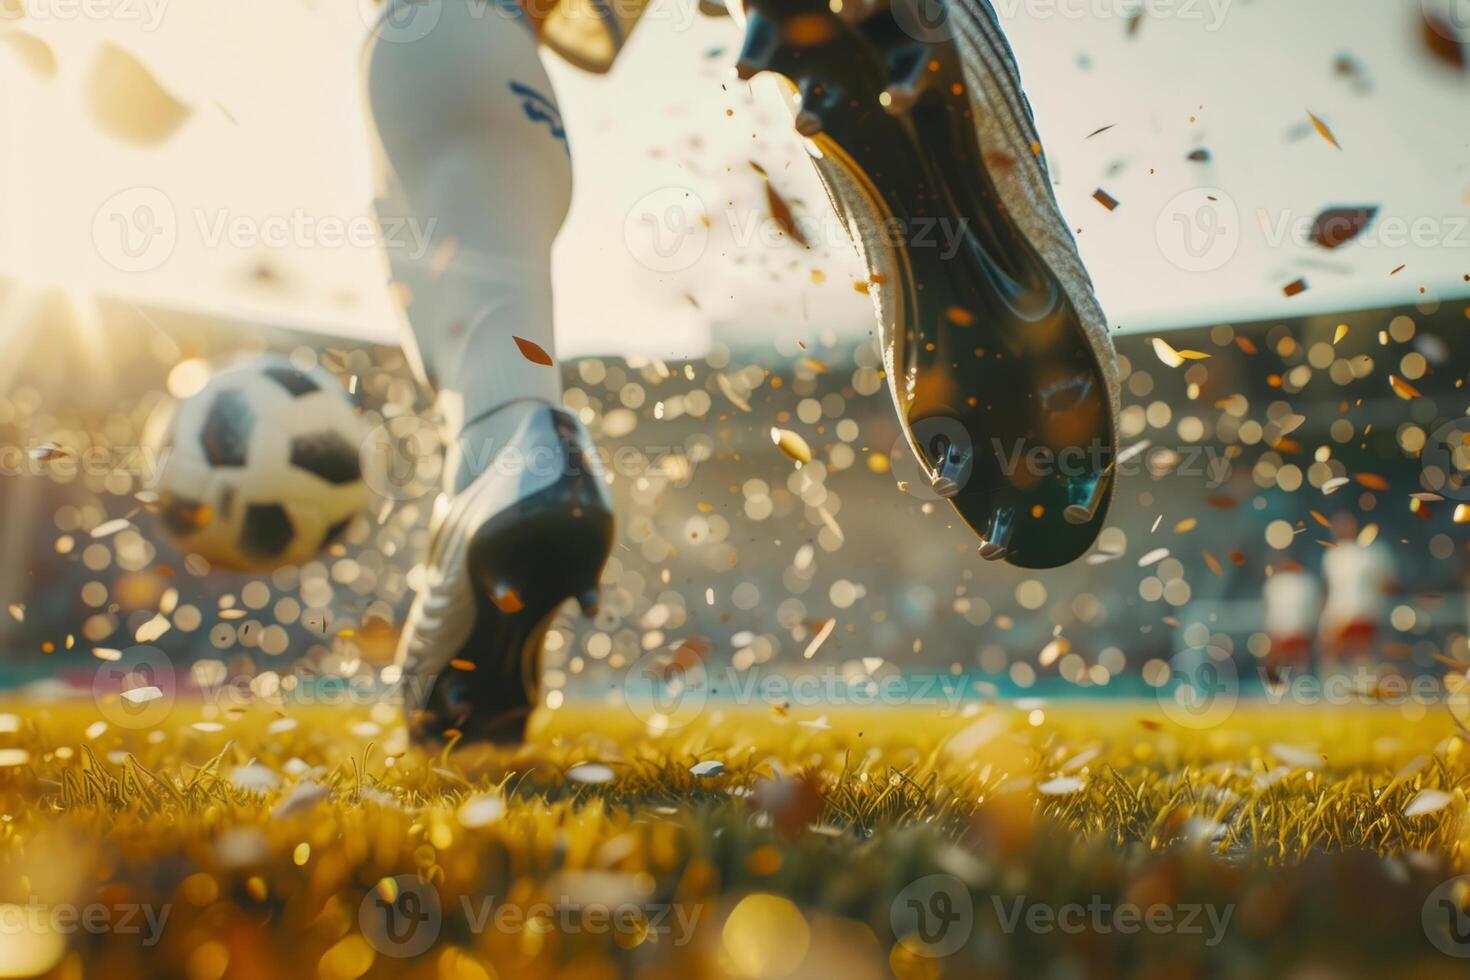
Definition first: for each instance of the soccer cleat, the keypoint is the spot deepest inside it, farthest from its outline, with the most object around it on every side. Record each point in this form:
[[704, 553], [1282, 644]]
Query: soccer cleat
[[531, 530], [996, 351]]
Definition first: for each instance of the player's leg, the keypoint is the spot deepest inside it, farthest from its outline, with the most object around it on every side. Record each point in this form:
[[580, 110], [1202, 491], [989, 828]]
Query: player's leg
[[996, 350], [474, 181], [472, 153]]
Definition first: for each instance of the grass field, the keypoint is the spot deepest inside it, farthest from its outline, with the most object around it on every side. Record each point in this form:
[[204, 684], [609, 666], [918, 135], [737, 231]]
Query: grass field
[[1063, 840]]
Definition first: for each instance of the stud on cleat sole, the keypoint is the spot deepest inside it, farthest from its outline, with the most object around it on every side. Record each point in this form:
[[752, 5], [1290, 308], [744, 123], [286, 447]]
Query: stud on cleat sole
[[762, 42], [997, 537], [1086, 496], [808, 124]]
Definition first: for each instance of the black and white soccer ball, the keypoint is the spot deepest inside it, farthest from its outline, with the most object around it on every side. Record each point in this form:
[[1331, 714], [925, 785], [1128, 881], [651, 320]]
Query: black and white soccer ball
[[261, 468]]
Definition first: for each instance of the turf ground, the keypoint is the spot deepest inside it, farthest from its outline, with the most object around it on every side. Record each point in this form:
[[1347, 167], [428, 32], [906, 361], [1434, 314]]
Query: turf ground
[[1063, 839]]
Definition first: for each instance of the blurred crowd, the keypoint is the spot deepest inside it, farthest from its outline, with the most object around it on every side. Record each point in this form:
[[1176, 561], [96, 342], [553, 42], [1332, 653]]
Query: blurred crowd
[[1271, 510]]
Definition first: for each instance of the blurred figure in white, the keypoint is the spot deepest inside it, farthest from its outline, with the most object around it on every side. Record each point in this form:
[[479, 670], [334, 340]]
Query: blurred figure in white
[[1293, 600], [1360, 576]]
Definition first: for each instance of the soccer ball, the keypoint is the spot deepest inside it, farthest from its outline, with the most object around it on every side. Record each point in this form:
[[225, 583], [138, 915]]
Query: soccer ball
[[261, 468]]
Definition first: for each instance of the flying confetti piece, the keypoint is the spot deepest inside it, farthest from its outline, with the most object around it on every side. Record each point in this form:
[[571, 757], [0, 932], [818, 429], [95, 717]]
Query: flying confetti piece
[[792, 445], [1175, 358], [1167, 354], [47, 452], [109, 528], [1153, 557], [1323, 131], [142, 695], [1295, 756], [17, 612], [302, 798], [1427, 801], [533, 352], [1132, 451], [1061, 786], [153, 629], [1341, 332], [1105, 199], [1214, 563], [1335, 484], [127, 102], [790, 804], [591, 773], [481, 810], [708, 768], [728, 390], [1338, 226], [781, 214], [1295, 288], [1081, 759], [443, 254], [1442, 39], [33, 52], [1403, 389], [819, 639], [507, 600]]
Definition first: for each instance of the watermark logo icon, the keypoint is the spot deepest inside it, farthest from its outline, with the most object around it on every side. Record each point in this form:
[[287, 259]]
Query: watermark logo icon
[[667, 689], [1448, 18], [401, 917], [401, 458], [137, 689], [1199, 230], [1446, 917], [668, 229], [933, 917], [1444, 463], [948, 450], [1203, 688], [924, 20], [403, 21], [136, 230]]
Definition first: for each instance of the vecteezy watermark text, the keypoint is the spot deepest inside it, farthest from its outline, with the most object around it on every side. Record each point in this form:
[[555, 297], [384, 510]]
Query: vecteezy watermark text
[[138, 229], [668, 230], [41, 458], [128, 919], [1103, 917], [662, 691], [404, 916], [1081, 461]]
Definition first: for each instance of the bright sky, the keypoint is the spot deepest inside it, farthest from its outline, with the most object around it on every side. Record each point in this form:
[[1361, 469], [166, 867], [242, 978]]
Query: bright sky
[[273, 139]]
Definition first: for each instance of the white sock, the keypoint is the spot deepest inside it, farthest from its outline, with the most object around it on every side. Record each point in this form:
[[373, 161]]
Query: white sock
[[473, 160]]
